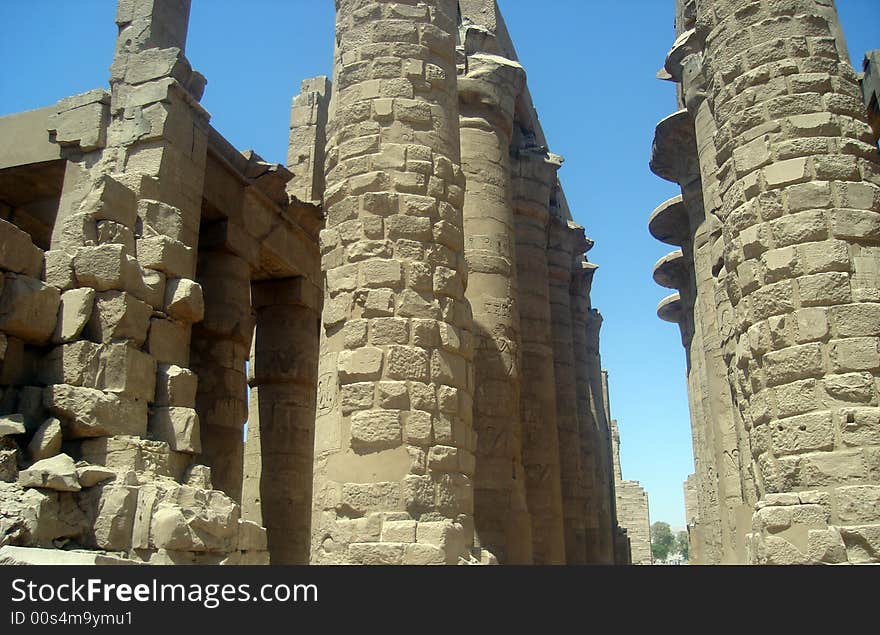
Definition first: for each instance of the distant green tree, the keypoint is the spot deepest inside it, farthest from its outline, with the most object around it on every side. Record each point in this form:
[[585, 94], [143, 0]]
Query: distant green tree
[[662, 540], [681, 544]]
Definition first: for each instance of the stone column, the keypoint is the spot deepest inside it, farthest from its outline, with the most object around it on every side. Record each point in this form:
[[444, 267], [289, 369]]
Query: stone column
[[563, 240], [582, 280], [279, 453], [608, 528], [487, 92], [394, 441], [730, 448], [535, 176], [800, 191], [220, 346]]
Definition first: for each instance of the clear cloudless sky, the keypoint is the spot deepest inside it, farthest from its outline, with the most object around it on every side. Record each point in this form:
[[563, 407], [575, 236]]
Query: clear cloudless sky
[[591, 67]]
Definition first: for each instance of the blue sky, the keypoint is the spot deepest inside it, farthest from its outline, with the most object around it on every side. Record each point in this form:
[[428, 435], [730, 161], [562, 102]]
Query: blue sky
[[590, 68]]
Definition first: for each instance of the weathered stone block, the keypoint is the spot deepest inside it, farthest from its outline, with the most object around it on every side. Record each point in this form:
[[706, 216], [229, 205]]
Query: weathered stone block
[[73, 314], [380, 273], [794, 362], [389, 331], [59, 269], [76, 364], [803, 433], [118, 315], [46, 441], [126, 453], [127, 371], [360, 498], [359, 365], [167, 255], [854, 354], [103, 267], [376, 553], [57, 473], [175, 386], [114, 518], [407, 362], [17, 253], [92, 413], [373, 430], [418, 427], [28, 308], [184, 301], [178, 427], [90, 475], [168, 342]]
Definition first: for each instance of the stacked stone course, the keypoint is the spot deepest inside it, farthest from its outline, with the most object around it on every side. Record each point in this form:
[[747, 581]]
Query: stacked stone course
[[400, 317]]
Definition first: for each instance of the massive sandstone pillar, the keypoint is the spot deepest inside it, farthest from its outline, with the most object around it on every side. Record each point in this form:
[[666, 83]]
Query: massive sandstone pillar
[[582, 279], [394, 441], [535, 177], [279, 452], [799, 182], [487, 93], [220, 345], [563, 244], [730, 449], [603, 467]]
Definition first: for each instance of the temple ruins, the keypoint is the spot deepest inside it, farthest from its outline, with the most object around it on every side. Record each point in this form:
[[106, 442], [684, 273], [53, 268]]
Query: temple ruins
[[383, 352]]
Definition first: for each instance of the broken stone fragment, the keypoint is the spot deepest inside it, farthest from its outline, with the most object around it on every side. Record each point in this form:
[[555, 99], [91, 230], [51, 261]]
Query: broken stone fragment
[[8, 460], [115, 506], [57, 473], [38, 517], [83, 125], [169, 530], [17, 252], [28, 308], [179, 427], [46, 441], [184, 301], [90, 475], [198, 476], [73, 314], [251, 537], [12, 424], [175, 386]]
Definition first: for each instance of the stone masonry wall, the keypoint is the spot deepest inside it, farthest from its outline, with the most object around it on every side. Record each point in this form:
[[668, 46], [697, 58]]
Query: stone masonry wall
[[400, 318]]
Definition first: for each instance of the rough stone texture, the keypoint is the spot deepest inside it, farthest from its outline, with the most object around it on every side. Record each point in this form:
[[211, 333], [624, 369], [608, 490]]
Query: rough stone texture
[[632, 508], [408, 301], [57, 473], [780, 181]]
